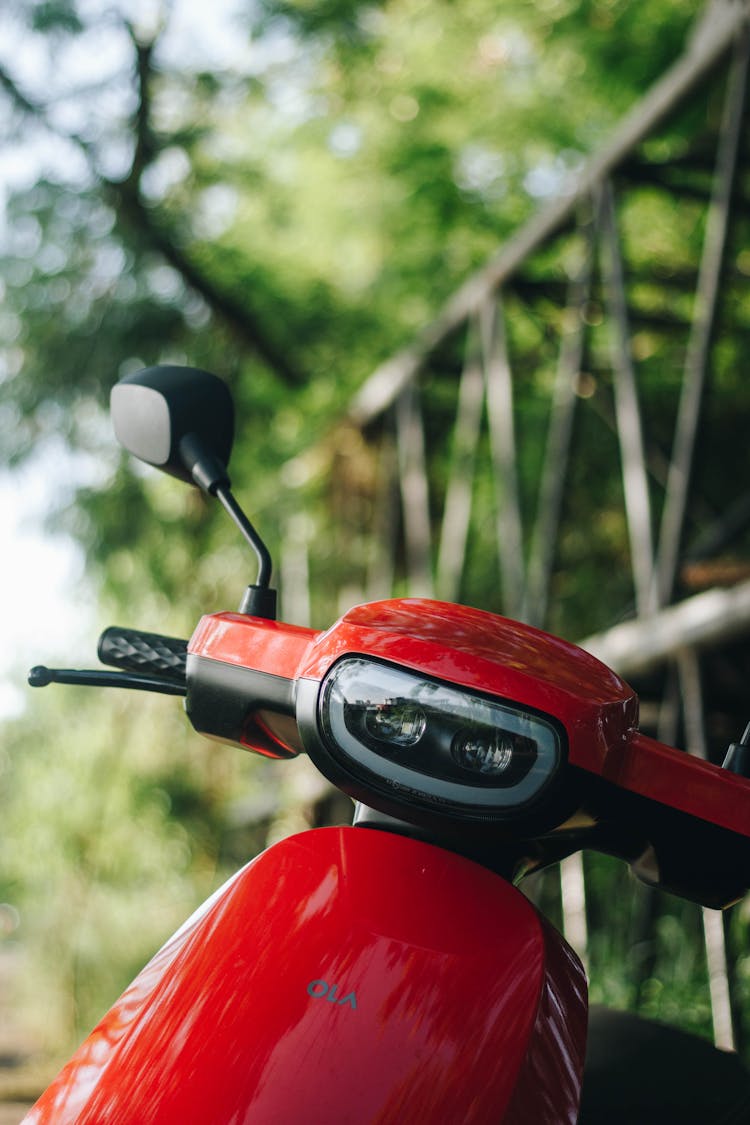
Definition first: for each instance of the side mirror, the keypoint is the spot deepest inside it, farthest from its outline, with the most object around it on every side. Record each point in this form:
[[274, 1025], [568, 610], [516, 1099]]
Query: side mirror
[[180, 419]]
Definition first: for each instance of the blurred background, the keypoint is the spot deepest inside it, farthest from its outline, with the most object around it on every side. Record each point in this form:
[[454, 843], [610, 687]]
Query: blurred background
[[477, 274]]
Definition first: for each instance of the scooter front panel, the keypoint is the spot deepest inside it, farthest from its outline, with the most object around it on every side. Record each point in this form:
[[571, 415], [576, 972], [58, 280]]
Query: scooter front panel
[[345, 976]]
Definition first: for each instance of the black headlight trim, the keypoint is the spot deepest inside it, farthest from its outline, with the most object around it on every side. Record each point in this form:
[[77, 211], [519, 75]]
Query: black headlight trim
[[367, 773]]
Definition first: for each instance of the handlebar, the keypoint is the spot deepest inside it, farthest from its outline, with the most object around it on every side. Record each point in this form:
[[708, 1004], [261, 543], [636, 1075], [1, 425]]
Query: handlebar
[[151, 653], [148, 662]]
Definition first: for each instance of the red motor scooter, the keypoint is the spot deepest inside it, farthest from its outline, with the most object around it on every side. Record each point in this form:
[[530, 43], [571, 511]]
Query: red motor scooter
[[389, 971]]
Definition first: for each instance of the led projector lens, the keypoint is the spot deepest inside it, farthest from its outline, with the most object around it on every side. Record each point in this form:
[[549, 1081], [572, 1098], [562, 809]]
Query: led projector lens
[[436, 742], [490, 755], [399, 723]]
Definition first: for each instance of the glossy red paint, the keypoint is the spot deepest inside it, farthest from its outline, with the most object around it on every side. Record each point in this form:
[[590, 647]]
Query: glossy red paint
[[236, 642], [252, 642], [494, 655], [490, 654], [681, 781], [348, 976]]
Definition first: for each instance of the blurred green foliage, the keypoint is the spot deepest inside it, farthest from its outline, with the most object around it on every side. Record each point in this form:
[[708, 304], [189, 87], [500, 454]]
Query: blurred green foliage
[[289, 222]]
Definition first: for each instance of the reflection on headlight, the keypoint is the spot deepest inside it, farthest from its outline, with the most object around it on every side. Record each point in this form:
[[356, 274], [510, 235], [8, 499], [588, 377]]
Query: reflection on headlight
[[484, 753], [396, 721]]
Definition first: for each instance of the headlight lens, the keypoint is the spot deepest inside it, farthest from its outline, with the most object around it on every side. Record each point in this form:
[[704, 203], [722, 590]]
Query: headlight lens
[[488, 754], [435, 742]]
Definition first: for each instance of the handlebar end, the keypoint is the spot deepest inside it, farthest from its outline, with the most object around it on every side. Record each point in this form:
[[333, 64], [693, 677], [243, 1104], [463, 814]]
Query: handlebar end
[[39, 676]]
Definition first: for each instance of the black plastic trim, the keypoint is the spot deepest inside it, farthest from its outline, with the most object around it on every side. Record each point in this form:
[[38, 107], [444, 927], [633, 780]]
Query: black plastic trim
[[544, 811], [222, 696], [678, 852]]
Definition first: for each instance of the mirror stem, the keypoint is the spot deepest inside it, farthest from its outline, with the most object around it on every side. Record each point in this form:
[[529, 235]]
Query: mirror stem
[[251, 535], [211, 476]]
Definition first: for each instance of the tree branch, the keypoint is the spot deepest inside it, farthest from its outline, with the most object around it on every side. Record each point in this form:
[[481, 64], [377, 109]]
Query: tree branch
[[145, 142], [16, 95], [142, 219], [236, 314]]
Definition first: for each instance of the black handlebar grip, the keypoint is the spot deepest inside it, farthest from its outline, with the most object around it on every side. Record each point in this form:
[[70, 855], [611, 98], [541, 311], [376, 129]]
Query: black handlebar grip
[[135, 651]]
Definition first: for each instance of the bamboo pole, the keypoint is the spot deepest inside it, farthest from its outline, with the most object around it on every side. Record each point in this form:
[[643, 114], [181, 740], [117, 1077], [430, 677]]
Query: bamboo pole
[[414, 492], [635, 647], [454, 530], [704, 316], [499, 390], [701, 55]]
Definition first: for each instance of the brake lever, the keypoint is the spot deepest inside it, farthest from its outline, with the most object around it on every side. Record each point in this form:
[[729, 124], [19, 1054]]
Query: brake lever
[[40, 676]]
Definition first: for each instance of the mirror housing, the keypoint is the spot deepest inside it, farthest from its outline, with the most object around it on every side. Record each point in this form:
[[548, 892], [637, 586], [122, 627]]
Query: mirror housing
[[180, 419]]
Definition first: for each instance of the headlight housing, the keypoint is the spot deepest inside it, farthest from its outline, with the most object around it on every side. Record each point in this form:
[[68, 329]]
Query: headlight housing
[[428, 744]]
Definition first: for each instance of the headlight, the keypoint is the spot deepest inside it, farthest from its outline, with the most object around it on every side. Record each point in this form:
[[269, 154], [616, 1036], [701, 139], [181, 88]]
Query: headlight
[[429, 743]]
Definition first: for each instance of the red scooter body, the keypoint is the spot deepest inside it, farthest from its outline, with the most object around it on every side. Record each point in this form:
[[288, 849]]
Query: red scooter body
[[357, 975], [349, 976], [378, 973], [346, 975]]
